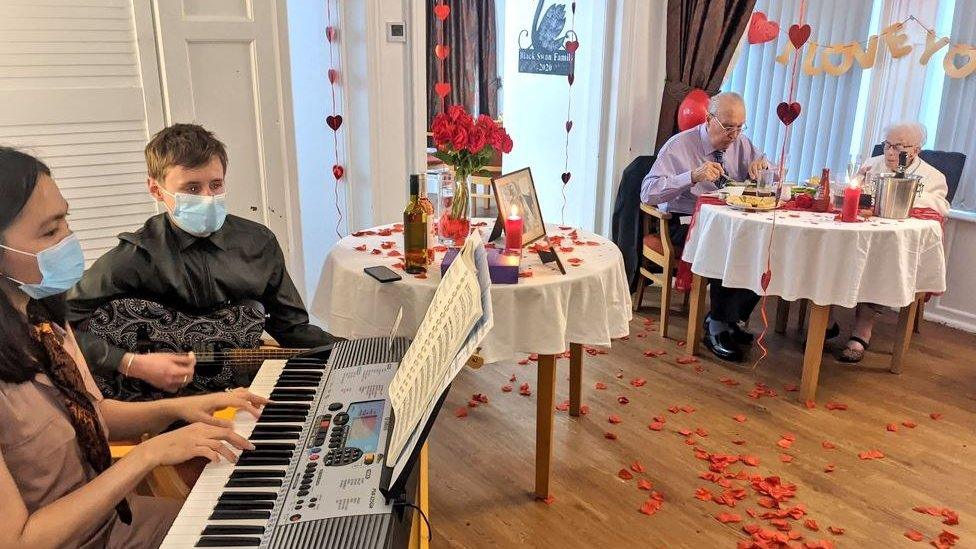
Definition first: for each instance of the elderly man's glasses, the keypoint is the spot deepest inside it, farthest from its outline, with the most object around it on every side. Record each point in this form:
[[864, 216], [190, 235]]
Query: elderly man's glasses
[[729, 130], [900, 147]]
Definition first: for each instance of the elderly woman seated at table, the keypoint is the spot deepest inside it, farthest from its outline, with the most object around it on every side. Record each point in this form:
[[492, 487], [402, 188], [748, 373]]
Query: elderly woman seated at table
[[905, 137]]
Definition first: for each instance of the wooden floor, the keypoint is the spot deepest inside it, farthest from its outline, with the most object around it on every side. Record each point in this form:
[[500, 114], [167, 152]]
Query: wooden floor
[[482, 464]]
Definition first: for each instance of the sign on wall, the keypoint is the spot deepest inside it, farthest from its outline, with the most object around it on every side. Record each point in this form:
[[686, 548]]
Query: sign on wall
[[546, 51]]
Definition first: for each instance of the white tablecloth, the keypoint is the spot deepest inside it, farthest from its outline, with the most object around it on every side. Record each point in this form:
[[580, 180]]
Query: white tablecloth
[[543, 313], [813, 256]]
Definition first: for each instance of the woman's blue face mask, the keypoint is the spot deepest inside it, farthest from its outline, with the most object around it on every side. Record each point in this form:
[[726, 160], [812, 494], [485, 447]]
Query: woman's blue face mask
[[61, 268]]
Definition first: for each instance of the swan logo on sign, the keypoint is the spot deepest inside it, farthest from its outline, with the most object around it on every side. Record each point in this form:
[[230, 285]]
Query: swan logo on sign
[[546, 51]]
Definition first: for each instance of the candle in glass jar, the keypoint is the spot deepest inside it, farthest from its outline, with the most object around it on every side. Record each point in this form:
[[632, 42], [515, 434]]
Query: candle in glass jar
[[852, 197], [513, 231]]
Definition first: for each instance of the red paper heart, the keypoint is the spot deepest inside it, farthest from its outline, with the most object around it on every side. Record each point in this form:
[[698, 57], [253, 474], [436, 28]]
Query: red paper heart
[[442, 11], [764, 280], [799, 34], [333, 75], [571, 77], [788, 112], [569, 125], [441, 51], [330, 33], [334, 121], [762, 29], [572, 46], [565, 177], [338, 171], [442, 89]]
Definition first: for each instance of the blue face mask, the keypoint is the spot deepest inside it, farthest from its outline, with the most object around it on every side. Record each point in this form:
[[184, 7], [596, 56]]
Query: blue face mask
[[61, 268], [198, 215]]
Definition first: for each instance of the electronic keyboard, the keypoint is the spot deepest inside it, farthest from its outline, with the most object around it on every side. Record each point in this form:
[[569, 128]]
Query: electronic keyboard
[[314, 478]]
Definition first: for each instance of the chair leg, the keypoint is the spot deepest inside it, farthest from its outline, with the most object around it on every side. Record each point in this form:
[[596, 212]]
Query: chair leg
[[919, 313], [782, 316], [666, 301], [684, 302], [641, 284], [802, 320]]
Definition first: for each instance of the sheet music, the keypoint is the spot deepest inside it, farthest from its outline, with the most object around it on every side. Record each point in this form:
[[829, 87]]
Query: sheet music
[[457, 320]]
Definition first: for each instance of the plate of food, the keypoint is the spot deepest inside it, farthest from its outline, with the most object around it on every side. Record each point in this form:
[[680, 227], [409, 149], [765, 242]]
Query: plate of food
[[751, 203]]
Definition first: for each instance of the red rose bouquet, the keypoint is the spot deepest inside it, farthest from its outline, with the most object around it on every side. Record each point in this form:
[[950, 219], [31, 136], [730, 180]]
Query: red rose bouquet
[[467, 145]]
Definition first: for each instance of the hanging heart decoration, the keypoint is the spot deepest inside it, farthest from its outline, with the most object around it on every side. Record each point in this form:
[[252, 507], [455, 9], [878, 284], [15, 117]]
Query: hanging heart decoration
[[333, 76], [765, 278], [799, 34], [788, 112], [441, 11], [571, 77], [441, 51], [330, 33], [338, 171], [761, 29], [569, 125], [442, 89], [565, 177], [572, 46], [334, 121]]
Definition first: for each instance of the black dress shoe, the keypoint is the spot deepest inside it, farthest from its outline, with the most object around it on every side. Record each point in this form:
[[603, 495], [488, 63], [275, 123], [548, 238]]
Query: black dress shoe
[[723, 346], [741, 336]]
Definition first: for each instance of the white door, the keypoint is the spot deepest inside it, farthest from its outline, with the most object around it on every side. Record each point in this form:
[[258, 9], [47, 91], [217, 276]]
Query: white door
[[223, 64]]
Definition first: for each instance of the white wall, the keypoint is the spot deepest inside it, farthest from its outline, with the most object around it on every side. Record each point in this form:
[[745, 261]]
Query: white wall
[[957, 306]]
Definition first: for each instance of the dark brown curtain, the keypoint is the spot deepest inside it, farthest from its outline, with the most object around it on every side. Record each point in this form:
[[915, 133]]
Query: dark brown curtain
[[702, 36], [471, 66]]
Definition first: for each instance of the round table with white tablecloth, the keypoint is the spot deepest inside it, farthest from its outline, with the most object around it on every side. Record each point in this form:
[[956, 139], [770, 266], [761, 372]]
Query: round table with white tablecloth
[[817, 257], [545, 313]]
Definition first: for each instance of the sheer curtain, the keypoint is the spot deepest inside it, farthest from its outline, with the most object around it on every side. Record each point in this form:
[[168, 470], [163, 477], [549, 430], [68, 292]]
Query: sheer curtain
[[958, 116], [822, 134]]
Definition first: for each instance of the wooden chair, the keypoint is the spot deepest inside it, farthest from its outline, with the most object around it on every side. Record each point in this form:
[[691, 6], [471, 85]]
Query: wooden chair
[[657, 249]]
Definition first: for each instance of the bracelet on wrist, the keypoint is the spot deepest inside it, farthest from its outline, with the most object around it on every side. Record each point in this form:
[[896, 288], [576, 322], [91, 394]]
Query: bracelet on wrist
[[128, 365]]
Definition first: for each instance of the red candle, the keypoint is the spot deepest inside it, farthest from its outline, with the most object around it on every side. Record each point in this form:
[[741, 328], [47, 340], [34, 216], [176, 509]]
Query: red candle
[[513, 232], [852, 197]]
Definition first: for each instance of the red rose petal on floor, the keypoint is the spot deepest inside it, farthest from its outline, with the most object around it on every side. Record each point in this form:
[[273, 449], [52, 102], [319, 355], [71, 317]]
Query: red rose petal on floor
[[701, 432], [637, 467], [738, 442], [951, 517], [703, 494], [784, 443], [687, 409], [680, 343], [398, 265], [835, 406], [684, 432], [752, 461], [472, 403], [512, 378], [810, 404], [600, 386], [729, 381], [945, 539], [393, 253], [360, 248], [547, 500], [523, 362], [563, 406], [811, 525], [914, 535], [789, 436], [625, 474], [619, 376], [376, 251], [584, 409], [751, 529], [909, 423], [644, 484], [674, 409], [785, 458], [609, 436], [387, 245], [835, 530], [524, 390], [638, 382], [726, 518], [740, 418], [525, 274], [829, 468], [614, 419], [936, 415], [791, 387], [461, 412], [655, 352], [893, 427], [622, 400], [507, 388], [828, 445], [650, 506], [687, 359], [656, 426], [871, 454]]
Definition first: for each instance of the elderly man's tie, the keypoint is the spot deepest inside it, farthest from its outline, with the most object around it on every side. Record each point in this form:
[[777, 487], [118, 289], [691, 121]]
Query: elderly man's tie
[[722, 180]]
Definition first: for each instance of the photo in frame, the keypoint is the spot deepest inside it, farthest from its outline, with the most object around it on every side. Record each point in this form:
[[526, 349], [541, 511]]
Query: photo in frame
[[516, 192]]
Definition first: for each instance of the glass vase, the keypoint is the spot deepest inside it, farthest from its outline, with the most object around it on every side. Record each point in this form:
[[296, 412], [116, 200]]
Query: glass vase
[[454, 217]]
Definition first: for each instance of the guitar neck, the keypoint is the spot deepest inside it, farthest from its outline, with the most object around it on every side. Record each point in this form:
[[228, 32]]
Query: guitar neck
[[270, 353]]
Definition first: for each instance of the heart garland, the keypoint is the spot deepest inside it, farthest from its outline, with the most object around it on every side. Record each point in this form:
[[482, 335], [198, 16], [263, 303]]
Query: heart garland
[[799, 34], [334, 121], [761, 29], [441, 88], [788, 112], [572, 45]]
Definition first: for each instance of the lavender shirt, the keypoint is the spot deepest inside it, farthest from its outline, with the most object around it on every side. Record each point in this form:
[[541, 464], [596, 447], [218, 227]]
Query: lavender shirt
[[669, 181]]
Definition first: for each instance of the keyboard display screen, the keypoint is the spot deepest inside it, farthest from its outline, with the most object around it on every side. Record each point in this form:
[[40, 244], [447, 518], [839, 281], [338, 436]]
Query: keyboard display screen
[[365, 424]]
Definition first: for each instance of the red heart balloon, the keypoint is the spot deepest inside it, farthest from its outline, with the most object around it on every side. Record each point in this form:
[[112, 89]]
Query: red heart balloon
[[338, 171], [571, 77], [569, 125], [565, 177], [442, 11], [333, 75], [334, 121], [788, 112], [762, 29], [441, 51], [799, 34], [693, 109], [572, 46], [330, 33], [442, 89]]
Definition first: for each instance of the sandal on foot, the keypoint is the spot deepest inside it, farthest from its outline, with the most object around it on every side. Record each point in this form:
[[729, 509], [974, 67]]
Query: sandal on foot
[[850, 355]]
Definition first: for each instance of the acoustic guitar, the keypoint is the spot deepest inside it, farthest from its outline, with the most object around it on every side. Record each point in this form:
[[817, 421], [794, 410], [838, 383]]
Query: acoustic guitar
[[225, 340]]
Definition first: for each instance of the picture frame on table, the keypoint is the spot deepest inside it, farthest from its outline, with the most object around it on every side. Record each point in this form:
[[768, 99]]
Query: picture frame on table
[[516, 190]]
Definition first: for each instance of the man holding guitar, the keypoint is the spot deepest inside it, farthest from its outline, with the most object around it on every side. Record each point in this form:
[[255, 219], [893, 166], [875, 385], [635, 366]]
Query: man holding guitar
[[193, 257]]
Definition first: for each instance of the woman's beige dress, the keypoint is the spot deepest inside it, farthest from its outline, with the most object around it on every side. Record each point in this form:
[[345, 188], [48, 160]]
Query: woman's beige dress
[[38, 446]]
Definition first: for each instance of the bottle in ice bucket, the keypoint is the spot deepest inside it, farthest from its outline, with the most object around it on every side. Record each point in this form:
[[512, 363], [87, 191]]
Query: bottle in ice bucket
[[821, 202], [415, 231]]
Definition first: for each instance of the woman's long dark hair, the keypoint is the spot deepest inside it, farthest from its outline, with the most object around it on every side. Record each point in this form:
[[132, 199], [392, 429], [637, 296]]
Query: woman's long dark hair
[[20, 355]]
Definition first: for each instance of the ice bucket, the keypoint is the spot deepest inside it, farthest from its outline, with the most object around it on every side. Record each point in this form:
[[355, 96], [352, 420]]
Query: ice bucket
[[894, 196]]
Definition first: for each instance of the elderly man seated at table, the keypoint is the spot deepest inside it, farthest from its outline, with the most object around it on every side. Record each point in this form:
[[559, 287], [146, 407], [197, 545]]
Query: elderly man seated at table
[[907, 137], [696, 161]]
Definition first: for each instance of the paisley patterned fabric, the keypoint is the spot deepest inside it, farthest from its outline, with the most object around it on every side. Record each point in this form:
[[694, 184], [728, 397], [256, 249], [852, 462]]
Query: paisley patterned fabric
[[141, 326]]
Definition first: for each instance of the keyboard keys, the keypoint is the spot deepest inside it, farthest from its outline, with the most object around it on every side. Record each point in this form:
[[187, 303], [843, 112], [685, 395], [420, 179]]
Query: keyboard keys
[[228, 541]]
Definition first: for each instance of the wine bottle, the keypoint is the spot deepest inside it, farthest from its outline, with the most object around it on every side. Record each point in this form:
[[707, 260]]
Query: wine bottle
[[902, 164], [415, 231], [428, 207]]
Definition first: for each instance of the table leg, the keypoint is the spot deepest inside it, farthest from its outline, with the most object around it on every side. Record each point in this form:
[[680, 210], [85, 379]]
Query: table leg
[[782, 316], [903, 335], [575, 378], [819, 314], [545, 403], [695, 314]]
